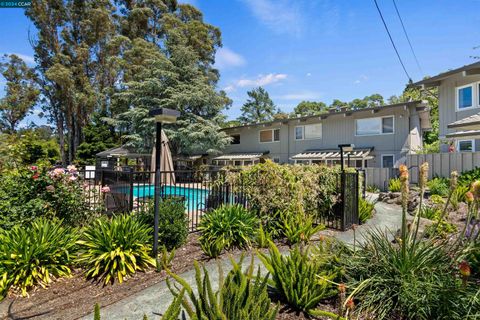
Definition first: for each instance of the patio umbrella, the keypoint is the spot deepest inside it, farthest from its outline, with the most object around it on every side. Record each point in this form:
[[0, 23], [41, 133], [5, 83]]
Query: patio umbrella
[[167, 174]]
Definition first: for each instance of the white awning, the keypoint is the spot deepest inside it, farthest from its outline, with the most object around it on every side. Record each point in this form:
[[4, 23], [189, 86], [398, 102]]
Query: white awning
[[357, 154], [469, 134], [469, 123], [240, 156]]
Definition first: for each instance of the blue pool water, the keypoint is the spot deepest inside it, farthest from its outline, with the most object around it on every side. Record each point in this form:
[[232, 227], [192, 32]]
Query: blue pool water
[[195, 199]]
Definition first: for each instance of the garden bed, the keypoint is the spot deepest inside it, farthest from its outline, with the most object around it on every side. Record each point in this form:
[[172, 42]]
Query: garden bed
[[74, 297]]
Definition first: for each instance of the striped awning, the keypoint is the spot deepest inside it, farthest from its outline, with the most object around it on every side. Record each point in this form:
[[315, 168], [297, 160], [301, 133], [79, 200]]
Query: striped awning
[[241, 156], [356, 154]]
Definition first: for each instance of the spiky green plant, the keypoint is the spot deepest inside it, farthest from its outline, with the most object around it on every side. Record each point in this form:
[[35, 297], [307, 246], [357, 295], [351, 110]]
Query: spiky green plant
[[227, 227], [241, 295], [32, 255], [394, 185], [115, 248], [298, 227], [301, 281], [166, 257], [366, 209], [263, 237], [96, 312]]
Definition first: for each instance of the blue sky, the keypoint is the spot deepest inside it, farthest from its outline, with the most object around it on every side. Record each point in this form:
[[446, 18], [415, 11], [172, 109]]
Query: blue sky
[[317, 49]]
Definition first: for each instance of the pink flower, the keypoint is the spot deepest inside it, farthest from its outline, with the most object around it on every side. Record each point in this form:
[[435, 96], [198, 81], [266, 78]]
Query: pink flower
[[72, 178], [50, 188], [105, 189], [34, 168], [35, 176], [72, 169]]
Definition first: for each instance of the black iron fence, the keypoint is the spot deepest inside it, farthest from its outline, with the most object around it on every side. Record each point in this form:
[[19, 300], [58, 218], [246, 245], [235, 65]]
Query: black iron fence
[[201, 191]]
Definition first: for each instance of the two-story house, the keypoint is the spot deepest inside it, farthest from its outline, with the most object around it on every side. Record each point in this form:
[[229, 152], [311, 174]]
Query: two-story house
[[382, 137], [458, 107]]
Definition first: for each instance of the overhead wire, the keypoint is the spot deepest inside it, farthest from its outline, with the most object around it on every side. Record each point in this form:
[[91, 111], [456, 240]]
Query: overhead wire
[[406, 36], [391, 40]]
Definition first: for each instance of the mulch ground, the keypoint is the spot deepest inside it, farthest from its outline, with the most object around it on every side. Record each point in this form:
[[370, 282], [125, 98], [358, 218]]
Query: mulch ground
[[74, 297]]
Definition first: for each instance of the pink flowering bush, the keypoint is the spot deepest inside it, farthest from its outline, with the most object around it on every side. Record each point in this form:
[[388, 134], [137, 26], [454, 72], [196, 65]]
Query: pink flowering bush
[[38, 192]]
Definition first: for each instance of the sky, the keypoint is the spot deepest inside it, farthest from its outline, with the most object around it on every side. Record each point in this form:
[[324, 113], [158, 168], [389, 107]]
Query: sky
[[316, 50]]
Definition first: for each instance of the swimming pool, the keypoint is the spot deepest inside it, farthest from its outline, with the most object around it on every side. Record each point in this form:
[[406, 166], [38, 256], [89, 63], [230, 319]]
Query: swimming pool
[[195, 198]]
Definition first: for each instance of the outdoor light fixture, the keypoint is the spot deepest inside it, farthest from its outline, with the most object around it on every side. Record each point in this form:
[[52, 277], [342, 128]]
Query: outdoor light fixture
[[162, 115], [345, 148]]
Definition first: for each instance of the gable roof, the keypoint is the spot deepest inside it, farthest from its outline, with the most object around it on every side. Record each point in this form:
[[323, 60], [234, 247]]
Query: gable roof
[[324, 115], [434, 81]]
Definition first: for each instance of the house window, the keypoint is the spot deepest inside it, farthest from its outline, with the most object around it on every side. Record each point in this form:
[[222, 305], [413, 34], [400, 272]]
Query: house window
[[235, 139], [237, 163], [276, 160], [466, 145], [104, 164], [374, 126], [299, 133], [270, 135], [465, 97], [310, 131], [313, 131], [247, 163], [387, 160]]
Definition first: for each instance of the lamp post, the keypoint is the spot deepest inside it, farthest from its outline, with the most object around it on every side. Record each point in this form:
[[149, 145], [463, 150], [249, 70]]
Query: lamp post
[[162, 115], [345, 148]]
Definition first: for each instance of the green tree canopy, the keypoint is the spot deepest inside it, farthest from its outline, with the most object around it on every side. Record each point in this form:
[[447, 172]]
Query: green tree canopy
[[258, 108], [21, 92], [308, 108]]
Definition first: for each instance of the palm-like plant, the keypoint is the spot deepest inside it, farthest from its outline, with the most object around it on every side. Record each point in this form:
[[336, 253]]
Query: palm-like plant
[[115, 248], [32, 255], [227, 227]]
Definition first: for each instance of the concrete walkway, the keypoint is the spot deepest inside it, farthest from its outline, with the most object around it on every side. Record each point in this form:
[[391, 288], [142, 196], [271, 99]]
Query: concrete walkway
[[155, 300]]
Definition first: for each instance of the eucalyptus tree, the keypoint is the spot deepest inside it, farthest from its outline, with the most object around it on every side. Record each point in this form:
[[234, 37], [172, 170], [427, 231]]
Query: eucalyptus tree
[[21, 92]]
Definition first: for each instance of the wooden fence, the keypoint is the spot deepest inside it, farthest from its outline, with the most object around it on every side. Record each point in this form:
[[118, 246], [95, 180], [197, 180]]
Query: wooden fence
[[379, 177], [442, 164]]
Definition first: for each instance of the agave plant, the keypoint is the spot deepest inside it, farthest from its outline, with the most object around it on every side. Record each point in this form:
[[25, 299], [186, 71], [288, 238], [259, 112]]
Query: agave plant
[[298, 227], [34, 254], [227, 227], [241, 295], [115, 248], [300, 279]]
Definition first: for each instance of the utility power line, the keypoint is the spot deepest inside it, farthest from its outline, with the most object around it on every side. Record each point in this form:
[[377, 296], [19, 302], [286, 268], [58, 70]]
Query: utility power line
[[391, 40], [408, 38]]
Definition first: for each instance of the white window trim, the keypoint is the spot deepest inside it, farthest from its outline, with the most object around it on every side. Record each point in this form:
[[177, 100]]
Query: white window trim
[[388, 155], [475, 103], [303, 133], [273, 135], [463, 140], [375, 134]]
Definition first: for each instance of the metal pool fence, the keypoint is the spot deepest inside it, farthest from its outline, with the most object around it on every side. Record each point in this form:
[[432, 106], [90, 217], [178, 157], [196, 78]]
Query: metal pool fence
[[201, 191]]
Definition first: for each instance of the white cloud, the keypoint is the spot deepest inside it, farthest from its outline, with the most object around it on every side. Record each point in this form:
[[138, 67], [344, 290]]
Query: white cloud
[[225, 58], [28, 59], [307, 95], [308, 74], [260, 81], [361, 79], [281, 16]]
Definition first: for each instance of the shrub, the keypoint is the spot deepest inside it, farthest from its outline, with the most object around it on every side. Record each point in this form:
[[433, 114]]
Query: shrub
[[430, 213], [263, 237], [31, 193], [172, 222], [458, 195], [227, 227], [365, 209], [467, 177], [272, 188], [115, 248], [242, 295], [298, 227], [31, 255], [440, 229], [393, 281], [438, 186], [300, 280], [373, 189], [394, 185]]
